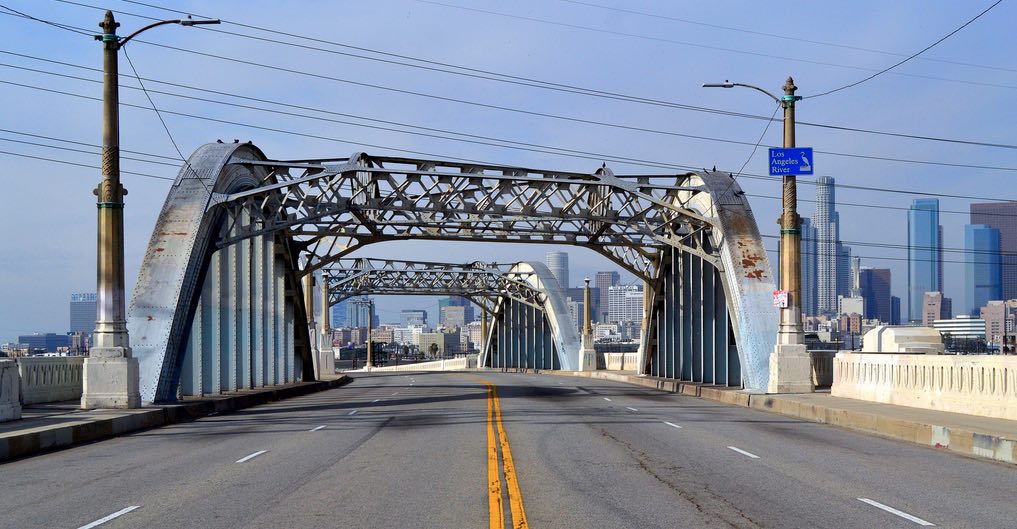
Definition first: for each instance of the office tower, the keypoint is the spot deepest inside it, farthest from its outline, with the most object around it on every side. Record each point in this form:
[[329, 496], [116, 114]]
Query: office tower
[[983, 267], [603, 281], [875, 284], [413, 317], [936, 306], [1003, 217], [339, 314], [455, 301], [625, 303], [829, 252], [894, 310], [924, 254], [453, 317], [809, 293], [558, 262], [83, 313], [359, 312], [48, 342]]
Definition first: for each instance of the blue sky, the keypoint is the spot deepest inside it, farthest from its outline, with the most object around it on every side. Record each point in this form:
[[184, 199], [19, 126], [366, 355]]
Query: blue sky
[[964, 88]]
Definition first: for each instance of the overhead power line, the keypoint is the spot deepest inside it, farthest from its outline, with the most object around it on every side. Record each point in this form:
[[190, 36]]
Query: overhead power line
[[906, 59], [526, 81], [602, 31], [535, 147], [66, 162], [781, 36]]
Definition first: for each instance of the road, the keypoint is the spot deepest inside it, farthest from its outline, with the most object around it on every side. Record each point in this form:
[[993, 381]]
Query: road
[[428, 450]]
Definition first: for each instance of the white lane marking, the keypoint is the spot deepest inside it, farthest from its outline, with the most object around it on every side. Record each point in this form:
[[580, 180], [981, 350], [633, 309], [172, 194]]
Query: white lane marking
[[354, 412], [375, 400], [105, 519], [560, 383], [322, 427], [743, 452], [250, 457], [607, 399], [213, 413], [673, 425], [902, 514], [630, 408], [396, 393]]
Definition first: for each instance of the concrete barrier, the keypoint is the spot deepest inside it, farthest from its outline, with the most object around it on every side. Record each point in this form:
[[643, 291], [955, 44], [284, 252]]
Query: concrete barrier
[[10, 389], [50, 379], [975, 385], [621, 361], [822, 368], [451, 364]]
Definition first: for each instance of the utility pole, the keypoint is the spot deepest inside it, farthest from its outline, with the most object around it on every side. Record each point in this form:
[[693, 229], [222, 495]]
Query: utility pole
[[790, 362], [111, 377], [587, 354]]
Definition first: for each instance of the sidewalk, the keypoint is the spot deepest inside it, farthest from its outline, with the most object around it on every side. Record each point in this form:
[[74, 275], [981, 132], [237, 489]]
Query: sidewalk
[[45, 427], [965, 434]]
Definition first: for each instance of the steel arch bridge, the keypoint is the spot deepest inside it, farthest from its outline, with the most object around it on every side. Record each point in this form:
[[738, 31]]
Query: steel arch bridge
[[530, 322], [219, 297]]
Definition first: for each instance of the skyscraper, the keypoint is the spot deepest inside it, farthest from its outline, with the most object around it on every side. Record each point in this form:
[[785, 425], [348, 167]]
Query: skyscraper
[[810, 299], [625, 303], [829, 254], [603, 281], [983, 270], [359, 312], [455, 301], [876, 287], [339, 314], [1003, 217], [83, 312], [558, 262], [924, 254]]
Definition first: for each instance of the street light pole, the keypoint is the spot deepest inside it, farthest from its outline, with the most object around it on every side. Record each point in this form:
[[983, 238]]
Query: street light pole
[[111, 377], [370, 323], [790, 363]]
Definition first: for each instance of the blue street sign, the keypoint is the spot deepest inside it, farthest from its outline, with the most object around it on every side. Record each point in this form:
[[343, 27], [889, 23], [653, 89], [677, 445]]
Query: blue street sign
[[791, 161]]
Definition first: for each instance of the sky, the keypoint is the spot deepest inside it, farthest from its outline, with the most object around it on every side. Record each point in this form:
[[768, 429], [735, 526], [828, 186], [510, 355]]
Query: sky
[[964, 88]]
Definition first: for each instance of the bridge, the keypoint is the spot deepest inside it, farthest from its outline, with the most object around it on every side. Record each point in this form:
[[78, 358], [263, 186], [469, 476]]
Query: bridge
[[224, 308], [238, 229]]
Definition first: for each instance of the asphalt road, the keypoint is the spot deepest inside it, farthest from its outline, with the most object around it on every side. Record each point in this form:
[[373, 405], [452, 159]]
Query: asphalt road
[[428, 450]]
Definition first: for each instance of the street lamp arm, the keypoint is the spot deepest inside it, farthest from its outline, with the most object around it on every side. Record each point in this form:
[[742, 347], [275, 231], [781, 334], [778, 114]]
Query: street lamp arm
[[186, 22], [729, 84]]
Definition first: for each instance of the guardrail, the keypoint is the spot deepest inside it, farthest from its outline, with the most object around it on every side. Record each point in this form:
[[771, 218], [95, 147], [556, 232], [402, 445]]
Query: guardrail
[[822, 368], [50, 379], [451, 364], [974, 385]]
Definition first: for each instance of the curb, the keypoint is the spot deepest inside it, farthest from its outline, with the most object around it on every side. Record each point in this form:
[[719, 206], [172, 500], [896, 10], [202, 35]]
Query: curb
[[954, 439], [33, 441]]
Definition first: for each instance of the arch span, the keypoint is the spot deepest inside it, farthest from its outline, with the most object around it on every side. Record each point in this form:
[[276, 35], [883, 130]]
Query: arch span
[[691, 237]]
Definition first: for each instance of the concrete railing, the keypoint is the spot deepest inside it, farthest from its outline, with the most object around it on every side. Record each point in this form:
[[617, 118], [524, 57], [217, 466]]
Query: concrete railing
[[50, 379], [974, 385], [10, 387], [451, 364], [822, 368], [621, 361]]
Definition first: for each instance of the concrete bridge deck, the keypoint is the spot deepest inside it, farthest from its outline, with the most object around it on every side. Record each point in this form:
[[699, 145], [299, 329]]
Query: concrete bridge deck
[[394, 448]]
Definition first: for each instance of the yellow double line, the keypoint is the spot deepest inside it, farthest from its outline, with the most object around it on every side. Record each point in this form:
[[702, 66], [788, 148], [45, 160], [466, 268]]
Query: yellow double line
[[494, 492]]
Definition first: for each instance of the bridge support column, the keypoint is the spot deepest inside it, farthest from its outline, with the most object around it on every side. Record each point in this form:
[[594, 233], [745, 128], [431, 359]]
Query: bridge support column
[[325, 353], [587, 354]]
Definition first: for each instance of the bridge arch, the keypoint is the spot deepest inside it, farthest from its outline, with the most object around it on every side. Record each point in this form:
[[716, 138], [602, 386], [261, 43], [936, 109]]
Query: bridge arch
[[691, 238]]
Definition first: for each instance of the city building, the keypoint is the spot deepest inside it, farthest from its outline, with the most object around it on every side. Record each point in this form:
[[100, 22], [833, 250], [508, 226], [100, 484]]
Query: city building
[[832, 259], [577, 295], [603, 281], [895, 310], [360, 312], [83, 313], [875, 290], [455, 301], [1003, 217], [995, 313], [625, 303], [48, 342], [558, 262], [925, 263], [964, 327], [413, 317], [809, 292], [383, 334], [983, 267], [445, 343], [473, 331], [338, 314], [453, 317], [935, 306]]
